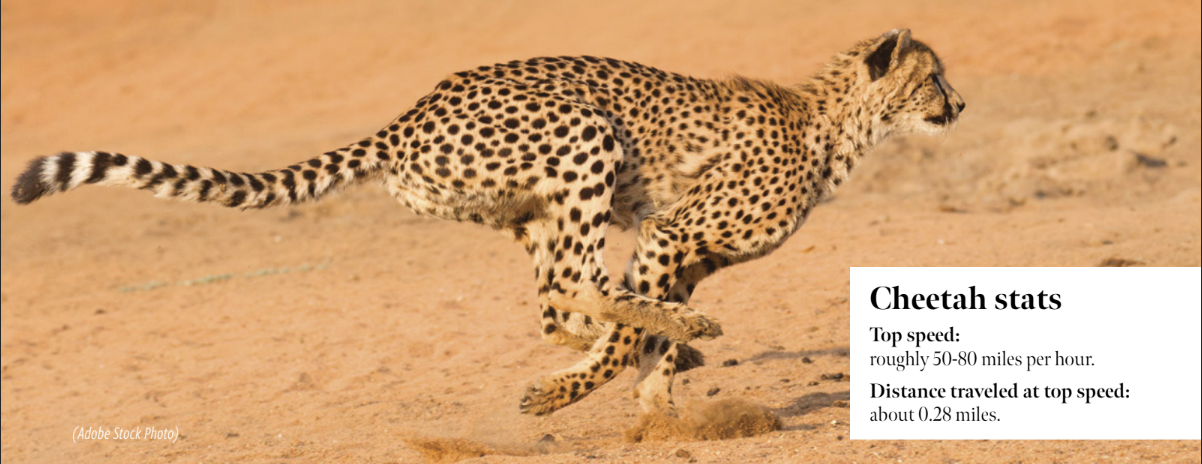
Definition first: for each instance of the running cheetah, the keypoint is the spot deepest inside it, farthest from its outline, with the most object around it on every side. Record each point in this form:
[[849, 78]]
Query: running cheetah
[[551, 151]]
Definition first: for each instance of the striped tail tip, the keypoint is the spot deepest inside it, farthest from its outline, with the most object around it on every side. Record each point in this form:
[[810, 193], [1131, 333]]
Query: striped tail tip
[[30, 186]]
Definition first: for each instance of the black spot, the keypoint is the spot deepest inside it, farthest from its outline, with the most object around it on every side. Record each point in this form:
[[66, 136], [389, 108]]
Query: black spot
[[100, 165], [205, 186], [66, 164], [141, 168], [237, 199]]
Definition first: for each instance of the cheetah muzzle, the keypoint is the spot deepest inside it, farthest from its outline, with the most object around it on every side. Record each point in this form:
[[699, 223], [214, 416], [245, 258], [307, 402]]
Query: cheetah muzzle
[[552, 151]]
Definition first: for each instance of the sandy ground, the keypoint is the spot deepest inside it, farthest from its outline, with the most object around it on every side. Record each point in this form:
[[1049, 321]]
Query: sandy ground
[[335, 331]]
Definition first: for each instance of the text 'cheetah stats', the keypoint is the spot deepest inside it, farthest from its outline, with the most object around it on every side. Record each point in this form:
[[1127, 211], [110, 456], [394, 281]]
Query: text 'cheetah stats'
[[1026, 353]]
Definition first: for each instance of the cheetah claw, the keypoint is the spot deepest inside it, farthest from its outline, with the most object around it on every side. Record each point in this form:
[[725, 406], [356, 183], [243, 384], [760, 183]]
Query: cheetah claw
[[697, 325]]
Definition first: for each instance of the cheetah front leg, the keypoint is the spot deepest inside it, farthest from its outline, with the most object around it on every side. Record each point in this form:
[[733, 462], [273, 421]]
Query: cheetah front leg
[[661, 359], [658, 269]]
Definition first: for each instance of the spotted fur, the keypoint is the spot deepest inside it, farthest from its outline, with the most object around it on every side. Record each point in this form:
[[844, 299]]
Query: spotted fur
[[552, 151]]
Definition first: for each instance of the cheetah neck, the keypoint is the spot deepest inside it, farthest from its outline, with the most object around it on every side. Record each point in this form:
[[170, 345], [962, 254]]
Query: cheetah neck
[[835, 125]]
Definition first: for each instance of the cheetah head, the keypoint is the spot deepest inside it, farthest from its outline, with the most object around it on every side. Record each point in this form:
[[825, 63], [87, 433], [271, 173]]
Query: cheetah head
[[906, 86]]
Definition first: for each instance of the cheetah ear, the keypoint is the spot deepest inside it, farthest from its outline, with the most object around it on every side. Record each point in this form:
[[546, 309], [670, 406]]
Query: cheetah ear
[[886, 53]]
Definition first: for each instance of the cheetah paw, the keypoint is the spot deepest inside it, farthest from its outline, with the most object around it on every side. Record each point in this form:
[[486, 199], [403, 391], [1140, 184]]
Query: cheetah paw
[[539, 401], [696, 325]]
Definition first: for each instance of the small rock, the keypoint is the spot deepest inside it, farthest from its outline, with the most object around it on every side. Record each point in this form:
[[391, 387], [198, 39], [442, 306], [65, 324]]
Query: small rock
[[546, 444], [838, 376], [1119, 262], [713, 391], [784, 380], [839, 437], [684, 381], [812, 383], [730, 362], [807, 360], [684, 454], [231, 435], [841, 404], [1149, 162], [1111, 143]]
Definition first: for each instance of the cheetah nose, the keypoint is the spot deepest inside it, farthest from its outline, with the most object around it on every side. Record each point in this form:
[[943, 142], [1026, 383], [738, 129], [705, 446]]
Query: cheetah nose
[[960, 106]]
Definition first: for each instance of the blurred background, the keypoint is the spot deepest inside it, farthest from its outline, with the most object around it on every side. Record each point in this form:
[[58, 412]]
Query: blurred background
[[322, 331], [1063, 96]]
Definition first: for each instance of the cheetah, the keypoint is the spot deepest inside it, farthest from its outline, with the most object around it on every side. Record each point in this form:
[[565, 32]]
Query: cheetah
[[552, 151]]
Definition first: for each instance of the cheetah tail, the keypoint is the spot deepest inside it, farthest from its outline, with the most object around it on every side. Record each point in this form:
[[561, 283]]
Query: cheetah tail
[[308, 180]]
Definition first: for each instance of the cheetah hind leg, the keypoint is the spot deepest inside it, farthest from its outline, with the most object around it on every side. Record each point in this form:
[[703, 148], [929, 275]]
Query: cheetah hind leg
[[562, 388]]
